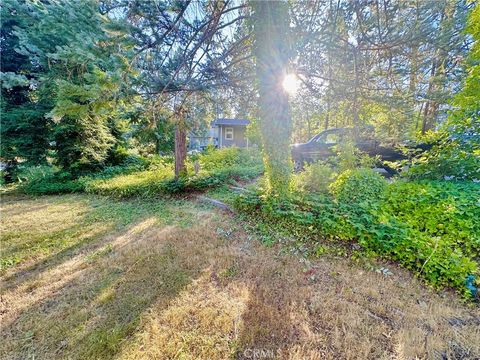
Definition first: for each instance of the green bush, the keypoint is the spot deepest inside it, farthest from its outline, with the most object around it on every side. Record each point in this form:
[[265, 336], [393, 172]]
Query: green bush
[[214, 159], [139, 176], [46, 180], [357, 186], [39, 180], [349, 157], [134, 164], [446, 162], [139, 183], [440, 209], [402, 225], [217, 167], [315, 178]]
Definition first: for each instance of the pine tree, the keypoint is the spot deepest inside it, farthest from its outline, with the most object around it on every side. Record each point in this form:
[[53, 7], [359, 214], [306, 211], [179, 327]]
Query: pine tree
[[24, 130], [184, 54], [78, 69]]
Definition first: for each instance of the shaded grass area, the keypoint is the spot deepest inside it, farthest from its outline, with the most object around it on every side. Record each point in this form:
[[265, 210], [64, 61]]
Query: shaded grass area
[[169, 278], [63, 224], [91, 268]]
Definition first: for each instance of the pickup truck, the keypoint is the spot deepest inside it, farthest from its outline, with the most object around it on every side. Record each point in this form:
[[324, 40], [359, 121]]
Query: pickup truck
[[321, 146]]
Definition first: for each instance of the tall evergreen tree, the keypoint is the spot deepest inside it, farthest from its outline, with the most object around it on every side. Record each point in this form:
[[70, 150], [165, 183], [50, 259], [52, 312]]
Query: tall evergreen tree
[[24, 130], [78, 69]]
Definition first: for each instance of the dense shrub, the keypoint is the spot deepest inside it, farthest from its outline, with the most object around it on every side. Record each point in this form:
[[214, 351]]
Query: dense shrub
[[134, 164], [140, 183], [356, 186], [139, 176], [38, 180], [161, 181], [45, 180], [319, 176], [395, 227], [214, 159], [349, 157], [316, 178], [217, 167], [448, 210], [448, 160]]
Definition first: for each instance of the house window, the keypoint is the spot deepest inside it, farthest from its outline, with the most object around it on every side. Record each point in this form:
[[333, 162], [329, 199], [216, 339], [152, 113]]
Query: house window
[[229, 133]]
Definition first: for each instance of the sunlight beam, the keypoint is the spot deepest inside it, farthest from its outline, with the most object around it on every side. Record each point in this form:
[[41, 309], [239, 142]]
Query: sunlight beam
[[290, 84]]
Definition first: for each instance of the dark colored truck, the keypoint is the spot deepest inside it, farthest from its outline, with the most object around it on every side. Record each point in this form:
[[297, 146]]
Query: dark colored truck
[[322, 146]]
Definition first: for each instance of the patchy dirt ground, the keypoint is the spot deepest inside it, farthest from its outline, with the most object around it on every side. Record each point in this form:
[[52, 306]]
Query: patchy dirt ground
[[85, 277]]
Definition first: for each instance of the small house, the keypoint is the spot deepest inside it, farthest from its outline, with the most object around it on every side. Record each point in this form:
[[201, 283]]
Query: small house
[[231, 132], [222, 133]]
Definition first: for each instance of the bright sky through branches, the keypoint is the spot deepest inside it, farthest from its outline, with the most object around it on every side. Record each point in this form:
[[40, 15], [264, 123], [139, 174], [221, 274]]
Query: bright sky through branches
[[291, 83]]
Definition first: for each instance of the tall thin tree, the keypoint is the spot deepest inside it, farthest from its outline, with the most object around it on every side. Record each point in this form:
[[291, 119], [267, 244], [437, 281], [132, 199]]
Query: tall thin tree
[[272, 52]]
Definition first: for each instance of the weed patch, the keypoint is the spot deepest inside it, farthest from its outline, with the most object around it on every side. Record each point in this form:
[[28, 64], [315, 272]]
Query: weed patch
[[408, 226]]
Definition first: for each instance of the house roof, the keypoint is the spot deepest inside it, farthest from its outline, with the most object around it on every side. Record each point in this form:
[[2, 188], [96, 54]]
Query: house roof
[[238, 122]]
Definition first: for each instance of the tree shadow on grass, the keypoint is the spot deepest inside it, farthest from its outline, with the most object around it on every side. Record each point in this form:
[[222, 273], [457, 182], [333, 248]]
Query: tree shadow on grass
[[87, 234], [240, 302], [271, 321], [100, 306], [35, 269]]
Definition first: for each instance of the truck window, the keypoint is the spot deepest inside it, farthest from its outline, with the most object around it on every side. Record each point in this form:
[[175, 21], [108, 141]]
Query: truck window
[[330, 138]]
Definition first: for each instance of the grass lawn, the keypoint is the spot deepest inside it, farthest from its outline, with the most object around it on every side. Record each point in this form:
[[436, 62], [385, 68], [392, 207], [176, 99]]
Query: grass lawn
[[88, 277]]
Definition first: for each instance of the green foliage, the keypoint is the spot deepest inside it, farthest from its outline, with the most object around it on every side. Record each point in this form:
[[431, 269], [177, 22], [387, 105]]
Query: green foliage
[[315, 178], [217, 167], [142, 183], [47, 180], [358, 186], [273, 51], [448, 210], [467, 106], [153, 131], [252, 132], [410, 225], [24, 129], [78, 66], [349, 157], [145, 177], [392, 123], [213, 159], [395, 99], [456, 154]]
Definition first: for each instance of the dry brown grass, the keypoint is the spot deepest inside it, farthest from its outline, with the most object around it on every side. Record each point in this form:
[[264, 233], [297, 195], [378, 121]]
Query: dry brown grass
[[204, 289]]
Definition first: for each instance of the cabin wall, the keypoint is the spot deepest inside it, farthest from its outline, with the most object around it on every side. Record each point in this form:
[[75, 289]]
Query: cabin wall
[[238, 140]]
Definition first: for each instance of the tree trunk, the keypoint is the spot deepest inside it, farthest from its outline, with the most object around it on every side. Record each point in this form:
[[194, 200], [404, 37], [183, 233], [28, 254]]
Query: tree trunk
[[438, 72], [272, 52], [327, 116], [309, 127], [180, 150], [426, 111], [414, 62], [355, 91]]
